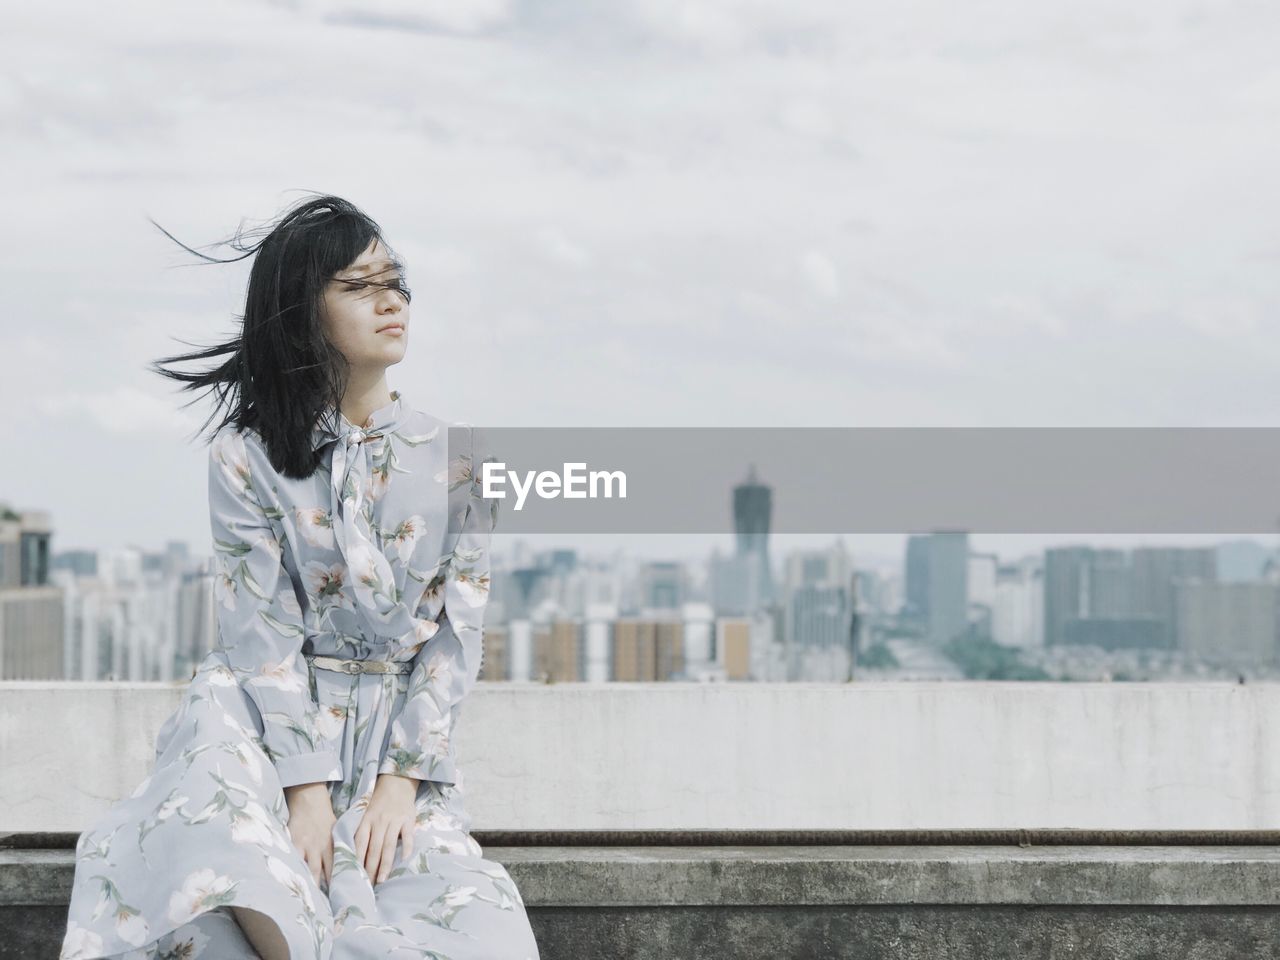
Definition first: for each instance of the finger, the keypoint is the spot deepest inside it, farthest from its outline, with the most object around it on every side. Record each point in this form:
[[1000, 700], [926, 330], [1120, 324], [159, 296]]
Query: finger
[[362, 840], [327, 864], [406, 837], [388, 853], [371, 854], [310, 860]]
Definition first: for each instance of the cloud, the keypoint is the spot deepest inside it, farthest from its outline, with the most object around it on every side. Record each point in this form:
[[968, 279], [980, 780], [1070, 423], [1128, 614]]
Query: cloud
[[820, 273], [560, 249], [466, 17], [1222, 317], [120, 410]]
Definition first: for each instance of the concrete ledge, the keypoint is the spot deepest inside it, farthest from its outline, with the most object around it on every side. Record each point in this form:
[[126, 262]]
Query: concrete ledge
[[832, 901], [874, 756]]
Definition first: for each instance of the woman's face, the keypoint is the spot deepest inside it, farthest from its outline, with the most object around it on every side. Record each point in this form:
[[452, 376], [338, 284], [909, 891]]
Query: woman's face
[[369, 324]]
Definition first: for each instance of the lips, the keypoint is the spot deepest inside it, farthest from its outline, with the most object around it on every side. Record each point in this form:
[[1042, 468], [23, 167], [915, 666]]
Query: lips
[[391, 326]]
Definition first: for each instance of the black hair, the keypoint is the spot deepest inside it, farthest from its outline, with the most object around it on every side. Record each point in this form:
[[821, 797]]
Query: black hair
[[282, 375]]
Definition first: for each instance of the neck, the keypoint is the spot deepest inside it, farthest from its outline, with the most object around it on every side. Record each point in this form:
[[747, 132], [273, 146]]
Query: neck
[[365, 396]]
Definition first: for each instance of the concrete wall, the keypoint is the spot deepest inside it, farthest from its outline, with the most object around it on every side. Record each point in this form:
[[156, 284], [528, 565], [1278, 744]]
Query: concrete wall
[[750, 756]]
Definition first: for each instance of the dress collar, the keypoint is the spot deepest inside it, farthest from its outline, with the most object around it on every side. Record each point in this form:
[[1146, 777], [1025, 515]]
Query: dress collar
[[332, 424]]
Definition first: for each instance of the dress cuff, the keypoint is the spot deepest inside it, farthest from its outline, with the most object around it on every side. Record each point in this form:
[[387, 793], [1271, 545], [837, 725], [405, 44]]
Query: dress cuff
[[316, 767], [419, 766]]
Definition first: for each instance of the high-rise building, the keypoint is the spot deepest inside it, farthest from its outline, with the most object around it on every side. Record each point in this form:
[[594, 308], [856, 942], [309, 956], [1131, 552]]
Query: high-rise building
[[733, 647], [916, 577], [819, 610], [31, 604], [1156, 574], [1114, 598], [743, 583], [1228, 623], [557, 650], [937, 573], [648, 648], [662, 585], [1017, 612]]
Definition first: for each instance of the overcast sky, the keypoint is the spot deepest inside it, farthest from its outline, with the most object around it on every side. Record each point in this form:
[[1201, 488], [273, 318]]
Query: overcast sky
[[647, 213]]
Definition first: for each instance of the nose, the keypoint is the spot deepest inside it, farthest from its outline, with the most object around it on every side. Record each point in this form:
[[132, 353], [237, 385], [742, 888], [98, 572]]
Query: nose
[[390, 301]]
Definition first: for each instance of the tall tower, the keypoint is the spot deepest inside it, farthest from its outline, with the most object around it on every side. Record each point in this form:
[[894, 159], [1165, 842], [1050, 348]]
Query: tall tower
[[752, 511]]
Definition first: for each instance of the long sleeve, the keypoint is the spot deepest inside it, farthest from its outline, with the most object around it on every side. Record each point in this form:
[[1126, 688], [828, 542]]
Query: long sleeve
[[448, 664], [260, 624]]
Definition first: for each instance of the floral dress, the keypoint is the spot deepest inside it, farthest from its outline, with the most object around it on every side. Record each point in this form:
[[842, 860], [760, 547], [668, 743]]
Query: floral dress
[[381, 554]]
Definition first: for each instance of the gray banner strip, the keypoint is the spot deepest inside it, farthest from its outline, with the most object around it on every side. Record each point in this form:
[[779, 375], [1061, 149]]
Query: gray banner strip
[[1059, 480]]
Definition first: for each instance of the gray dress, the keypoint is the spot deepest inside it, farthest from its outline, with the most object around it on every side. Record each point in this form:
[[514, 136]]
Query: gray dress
[[383, 553]]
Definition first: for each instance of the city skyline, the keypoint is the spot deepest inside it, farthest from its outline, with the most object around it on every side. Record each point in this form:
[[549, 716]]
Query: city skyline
[[769, 219]]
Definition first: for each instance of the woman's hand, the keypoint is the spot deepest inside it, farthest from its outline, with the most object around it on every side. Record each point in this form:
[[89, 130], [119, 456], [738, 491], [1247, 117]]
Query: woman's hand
[[392, 815], [311, 823]]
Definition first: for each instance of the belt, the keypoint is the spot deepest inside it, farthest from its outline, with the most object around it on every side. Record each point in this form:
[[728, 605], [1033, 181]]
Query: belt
[[359, 666]]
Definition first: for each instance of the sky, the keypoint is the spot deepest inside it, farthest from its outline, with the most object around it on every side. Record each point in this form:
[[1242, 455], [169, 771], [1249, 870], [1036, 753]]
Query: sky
[[646, 214]]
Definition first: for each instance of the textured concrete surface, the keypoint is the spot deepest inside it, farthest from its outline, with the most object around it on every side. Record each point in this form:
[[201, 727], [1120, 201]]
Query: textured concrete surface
[[875, 756], [864, 902]]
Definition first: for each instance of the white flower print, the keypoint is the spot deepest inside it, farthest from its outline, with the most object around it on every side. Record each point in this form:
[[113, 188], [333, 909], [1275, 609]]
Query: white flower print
[[253, 824], [315, 524], [229, 450], [460, 896], [281, 676], [249, 756], [188, 943], [424, 629], [224, 585], [271, 547], [171, 803], [407, 535], [292, 881], [330, 721], [472, 581], [364, 569], [287, 600], [131, 928], [433, 733], [439, 675], [444, 833], [376, 488], [80, 942], [324, 582], [202, 890], [220, 676]]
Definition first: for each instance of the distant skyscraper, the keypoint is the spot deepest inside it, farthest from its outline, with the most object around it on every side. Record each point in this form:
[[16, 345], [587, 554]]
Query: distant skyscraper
[[752, 515], [1156, 574], [733, 647], [937, 573], [1228, 623], [82, 563], [819, 614], [557, 650], [662, 585], [31, 605], [916, 606], [647, 648], [1017, 613], [1113, 598]]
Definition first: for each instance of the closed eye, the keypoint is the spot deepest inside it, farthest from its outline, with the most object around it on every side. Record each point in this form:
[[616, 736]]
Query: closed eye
[[354, 286]]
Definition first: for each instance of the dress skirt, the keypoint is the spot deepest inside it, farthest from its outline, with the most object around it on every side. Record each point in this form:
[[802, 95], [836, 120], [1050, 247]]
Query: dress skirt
[[156, 876]]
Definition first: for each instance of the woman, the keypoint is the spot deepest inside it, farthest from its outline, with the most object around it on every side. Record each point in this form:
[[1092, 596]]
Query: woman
[[304, 800]]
